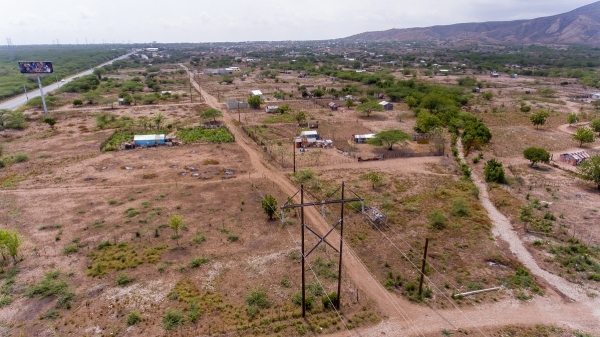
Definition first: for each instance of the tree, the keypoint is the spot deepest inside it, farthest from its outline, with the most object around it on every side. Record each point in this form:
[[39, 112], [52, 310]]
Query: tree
[[487, 95], [539, 118], [595, 124], [300, 117], [369, 107], [175, 223], [584, 135], [91, 97], [375, 178], [158, 120], [349, 103], [269, 205], [99, 72], [255, 101], [10, 242], [211, 113], [572, 118], [50, 121], [493, 171], [590, 169], [284, 108], [389, 138], [226, 80], [536, 154]]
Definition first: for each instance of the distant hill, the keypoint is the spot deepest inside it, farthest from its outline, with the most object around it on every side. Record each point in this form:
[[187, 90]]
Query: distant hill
[[579, 26]]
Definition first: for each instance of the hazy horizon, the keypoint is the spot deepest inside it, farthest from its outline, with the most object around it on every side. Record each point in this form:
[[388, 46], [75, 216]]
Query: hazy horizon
[[110, 21]]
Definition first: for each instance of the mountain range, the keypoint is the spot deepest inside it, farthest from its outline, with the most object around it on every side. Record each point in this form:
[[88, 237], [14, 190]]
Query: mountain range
[[579, 26]]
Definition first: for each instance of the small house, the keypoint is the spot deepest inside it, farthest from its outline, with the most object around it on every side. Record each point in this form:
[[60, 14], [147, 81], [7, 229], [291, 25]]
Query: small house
[[149, 140], [347, 97], [494, 74], [310, 134], [333, 106], [596, 95], [574, 158], [386, 105], [363, 138], [256, 93], [476, 89], [272, 108]]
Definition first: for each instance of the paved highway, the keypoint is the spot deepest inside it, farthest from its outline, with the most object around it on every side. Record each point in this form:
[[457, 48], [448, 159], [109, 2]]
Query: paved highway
[[16, 102]]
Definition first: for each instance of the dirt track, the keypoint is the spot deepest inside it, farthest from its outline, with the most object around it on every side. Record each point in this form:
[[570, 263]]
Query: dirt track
[[405, 318]]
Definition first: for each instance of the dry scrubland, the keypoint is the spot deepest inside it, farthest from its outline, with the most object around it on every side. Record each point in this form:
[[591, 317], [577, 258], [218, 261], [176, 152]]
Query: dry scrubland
[[100, 258]]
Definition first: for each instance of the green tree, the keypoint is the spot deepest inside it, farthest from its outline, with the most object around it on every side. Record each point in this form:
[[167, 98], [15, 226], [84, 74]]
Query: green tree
[[584, 135], [284, 108], [494, 171], [389, 138], [369, 107], [572, 118], [590, 169], [375, 178], [254, 101], [10, 242], [211, 113], [487, 95], [536, 154], [349, 104], [91, 97], [226, 80], [99, 72], [158, 120], [539, 118], [175, 223], [300, 117], [595, 124], [269, 205]]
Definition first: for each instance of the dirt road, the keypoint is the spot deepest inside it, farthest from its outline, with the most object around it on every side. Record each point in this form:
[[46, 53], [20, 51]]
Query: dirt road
[[407, 319]]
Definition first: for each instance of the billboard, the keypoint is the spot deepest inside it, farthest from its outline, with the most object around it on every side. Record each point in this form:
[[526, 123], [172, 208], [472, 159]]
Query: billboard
[[35, 67]]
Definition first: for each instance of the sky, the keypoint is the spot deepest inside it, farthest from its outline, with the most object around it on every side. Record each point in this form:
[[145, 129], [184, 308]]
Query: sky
[[169, 21]]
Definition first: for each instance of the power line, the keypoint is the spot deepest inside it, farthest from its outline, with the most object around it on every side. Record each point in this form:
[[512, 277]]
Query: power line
[[420, 272]]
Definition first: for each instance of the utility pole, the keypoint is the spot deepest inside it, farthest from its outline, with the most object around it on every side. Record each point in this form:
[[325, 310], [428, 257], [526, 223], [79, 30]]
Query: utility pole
[[423, 266], [240, 116], [294, 151], [11, 53], [42, 93], [322, 239], [191, 99]]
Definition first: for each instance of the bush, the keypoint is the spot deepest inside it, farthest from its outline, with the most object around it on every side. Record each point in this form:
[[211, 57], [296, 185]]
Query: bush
[[329, 300], [437, 219], [197, 262], [21, 157], [494, 171], [460, 208], [77, 102], [259, 299], [172, 319], [123, 279], [51, 285], [72, 248], [133, 318]]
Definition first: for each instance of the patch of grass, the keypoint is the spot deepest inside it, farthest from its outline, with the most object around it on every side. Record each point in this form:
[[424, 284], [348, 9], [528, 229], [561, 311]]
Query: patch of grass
[[131, 212], [52, 285], [282, 118], [149, 175], [210, 162], [198, 239], [70, 248], [50, 314], [10, 180], [437, 219], [109, 257], [324, 268], [197, 262], [219, 135], [232, 237], [112, 202]]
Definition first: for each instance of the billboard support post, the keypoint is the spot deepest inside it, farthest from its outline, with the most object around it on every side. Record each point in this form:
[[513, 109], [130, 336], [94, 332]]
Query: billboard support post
[[42, 93]]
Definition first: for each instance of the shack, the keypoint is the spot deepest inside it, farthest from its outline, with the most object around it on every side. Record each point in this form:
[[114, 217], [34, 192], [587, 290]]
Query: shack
[[574, 158], [272, 108], [149, 140], [333, 106], [386, 105]]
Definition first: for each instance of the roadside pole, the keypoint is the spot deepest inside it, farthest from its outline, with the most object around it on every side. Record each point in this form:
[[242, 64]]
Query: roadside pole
[[42, 93]]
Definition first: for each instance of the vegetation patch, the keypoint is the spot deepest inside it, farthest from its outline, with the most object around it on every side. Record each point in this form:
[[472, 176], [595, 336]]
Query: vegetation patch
[[218, 135], [108, 257]]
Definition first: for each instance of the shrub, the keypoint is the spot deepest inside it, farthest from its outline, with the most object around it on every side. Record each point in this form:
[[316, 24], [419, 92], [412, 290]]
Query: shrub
[[232, 237], [51, 285], [330, 300], [460, 208], [133, 318], [124, 279], [437, 219], [172, 319], [259, 299], [71, 248], [198, 239], [77, 102], [494, 171], [21, 157]]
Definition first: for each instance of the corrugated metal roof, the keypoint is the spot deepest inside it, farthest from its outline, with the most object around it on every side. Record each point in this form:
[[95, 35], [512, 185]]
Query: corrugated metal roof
[[148, 137], [257, 92], [365, 136], [580, 155], [309, 133]]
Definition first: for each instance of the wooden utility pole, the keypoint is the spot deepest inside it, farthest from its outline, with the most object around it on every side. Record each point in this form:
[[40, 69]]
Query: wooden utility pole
[[322, 239], [190, 78], [294, 151], [423, 266]]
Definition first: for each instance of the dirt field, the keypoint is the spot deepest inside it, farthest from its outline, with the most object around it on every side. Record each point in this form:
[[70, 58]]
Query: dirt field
[[110, 237]]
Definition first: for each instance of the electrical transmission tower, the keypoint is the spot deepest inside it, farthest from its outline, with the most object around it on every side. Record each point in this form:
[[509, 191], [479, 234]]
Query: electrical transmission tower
[[11, 52], [322, 239]]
